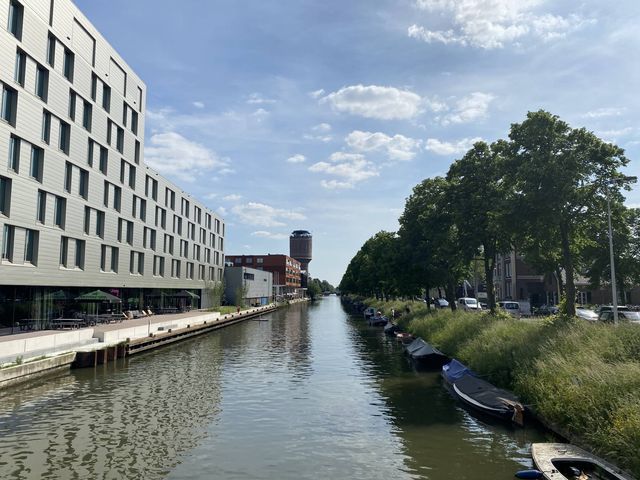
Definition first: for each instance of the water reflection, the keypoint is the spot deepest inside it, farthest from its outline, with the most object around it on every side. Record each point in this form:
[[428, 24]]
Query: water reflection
[[308, 393]]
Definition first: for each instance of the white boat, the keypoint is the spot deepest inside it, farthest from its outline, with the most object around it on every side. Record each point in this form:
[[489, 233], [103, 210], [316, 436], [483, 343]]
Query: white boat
[[563, 461]]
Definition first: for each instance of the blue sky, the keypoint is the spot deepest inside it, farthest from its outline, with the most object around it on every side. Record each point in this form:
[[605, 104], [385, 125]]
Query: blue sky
[[299, 114]]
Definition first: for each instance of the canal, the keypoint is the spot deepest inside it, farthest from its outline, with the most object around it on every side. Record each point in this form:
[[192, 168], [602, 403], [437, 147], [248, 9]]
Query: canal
[[306, 392]]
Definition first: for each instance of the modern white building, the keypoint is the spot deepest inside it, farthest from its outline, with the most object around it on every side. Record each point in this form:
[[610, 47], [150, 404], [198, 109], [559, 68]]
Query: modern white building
[[79, 209], [255, 286]]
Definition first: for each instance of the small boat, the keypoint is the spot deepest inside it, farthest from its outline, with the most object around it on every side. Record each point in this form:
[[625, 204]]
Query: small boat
[[378, 320], [563, 461], [391, 328], [425, 355], [455, 370], [486, 398], [404, 337], [369, 312]]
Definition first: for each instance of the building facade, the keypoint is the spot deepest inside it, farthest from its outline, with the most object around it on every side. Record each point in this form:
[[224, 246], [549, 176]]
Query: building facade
[[79, 209], [255, 287], [286, 271]]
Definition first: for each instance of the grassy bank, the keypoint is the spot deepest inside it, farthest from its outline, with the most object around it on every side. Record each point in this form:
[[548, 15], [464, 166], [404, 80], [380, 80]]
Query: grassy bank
[[582, 377]]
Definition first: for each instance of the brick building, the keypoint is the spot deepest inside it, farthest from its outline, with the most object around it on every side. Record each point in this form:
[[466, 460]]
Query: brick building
[[286, 271]]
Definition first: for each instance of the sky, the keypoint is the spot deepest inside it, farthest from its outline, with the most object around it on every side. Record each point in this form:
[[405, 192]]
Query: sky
[[323, 115]]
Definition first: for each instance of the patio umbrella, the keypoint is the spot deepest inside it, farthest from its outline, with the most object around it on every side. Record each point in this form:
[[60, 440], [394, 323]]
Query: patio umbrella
[[98, 296], [185, 294]]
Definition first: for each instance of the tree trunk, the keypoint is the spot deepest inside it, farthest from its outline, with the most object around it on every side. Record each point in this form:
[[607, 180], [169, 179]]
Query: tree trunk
[[489, 264], [570, 296], [450, 292]]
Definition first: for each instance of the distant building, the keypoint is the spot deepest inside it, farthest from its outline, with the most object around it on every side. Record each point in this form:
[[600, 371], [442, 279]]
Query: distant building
[[255, 286], [286, 271], [300, 248]]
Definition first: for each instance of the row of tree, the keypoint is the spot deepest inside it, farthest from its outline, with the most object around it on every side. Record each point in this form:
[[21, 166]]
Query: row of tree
[[317, 287], [542, 192]]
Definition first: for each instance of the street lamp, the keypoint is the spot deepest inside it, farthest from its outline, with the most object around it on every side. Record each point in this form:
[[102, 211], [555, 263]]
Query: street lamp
[[614, 292]]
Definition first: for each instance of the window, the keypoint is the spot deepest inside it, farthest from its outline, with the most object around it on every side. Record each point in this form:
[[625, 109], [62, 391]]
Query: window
[[7, 242], [136, 152], [217, 226], [184, 208], [136, 263], [42, 82], [151, 187], [46, 126], [68, 176], [31, 246], [14, 153], [64, 139], [161, 217], [104, 159], [177, 225], [21, 65], [5, 196], [79, 257], [110, 126], [207, 220], [175, 268], [69, 60], [115, 253], [168, 244], [184, 248], [196, 252], [16, 11], [37, 163], [51, 50], [200, 272], [125, 227], [106, 97], [190, 270], [83, 187], [64, 251], [59, 212], [149, 238], [87, 115], [94, 86], [259, 260], [72, 105], [125, 107], [109, 256], [113, 191], [191, 231], [249, 276], [158, 266], [134, 122], [169, 198], [120, 140], [198, 215], [9, 103], [132, 177], [90, 152], [41, 206], [139, 208]]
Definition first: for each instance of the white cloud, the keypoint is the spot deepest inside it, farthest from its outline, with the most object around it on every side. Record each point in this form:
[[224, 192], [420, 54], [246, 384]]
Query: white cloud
[[265, 234], [397, 147], [450, 148], [172, 154], [259, 214], [350, 168], [258, 99], [317, 93], [469, 108], [320, 132], [198, 104], [494, 23], [232, 198], [604, 112], [210, 196], [222, 211], [372, 101], [297, 158]]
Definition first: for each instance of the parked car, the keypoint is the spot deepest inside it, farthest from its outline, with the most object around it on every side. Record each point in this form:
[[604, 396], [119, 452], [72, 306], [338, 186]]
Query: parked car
[[512, 308], [469, 304], [586, 314], [440, 303], [624, 314], [547, 310]]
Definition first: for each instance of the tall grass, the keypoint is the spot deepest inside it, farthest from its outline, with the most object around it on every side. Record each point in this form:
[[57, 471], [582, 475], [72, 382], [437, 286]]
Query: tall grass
[[582, 377]]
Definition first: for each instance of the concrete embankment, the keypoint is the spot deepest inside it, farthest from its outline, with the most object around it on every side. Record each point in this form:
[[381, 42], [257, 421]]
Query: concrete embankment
[[105, 343]]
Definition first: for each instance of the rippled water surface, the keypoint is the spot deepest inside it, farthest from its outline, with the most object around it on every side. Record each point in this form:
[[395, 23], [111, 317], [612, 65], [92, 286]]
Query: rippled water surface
[[307, 393]]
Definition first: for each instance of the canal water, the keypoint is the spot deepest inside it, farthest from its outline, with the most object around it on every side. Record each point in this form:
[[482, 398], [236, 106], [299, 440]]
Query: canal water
[[305, 393]]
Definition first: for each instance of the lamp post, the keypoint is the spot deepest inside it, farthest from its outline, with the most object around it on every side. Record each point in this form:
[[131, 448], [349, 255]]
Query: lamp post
[[614, 293]]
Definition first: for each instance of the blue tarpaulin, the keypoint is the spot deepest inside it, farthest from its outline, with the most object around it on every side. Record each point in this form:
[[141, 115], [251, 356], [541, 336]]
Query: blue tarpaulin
[[454, 370]]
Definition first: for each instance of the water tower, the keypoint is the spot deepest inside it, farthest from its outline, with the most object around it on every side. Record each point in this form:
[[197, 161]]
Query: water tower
[[300, 248]]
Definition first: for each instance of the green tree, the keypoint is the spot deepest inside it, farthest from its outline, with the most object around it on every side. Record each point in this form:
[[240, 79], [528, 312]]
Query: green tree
[[479, 203], [560, 178]]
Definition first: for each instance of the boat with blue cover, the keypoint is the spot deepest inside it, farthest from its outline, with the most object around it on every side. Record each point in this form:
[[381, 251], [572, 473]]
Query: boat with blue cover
[[425, 355]]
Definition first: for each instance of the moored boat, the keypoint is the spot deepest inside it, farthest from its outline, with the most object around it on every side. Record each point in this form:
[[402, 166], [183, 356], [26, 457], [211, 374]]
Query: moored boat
[[455, 370], [404, 337], [485, 398], [378, 320], [369, 312], [391, 328], [425, 355], [563, 461]]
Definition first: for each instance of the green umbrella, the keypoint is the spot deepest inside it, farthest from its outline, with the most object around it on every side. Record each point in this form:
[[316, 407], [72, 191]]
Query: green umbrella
[[185, 294], [98, 296]]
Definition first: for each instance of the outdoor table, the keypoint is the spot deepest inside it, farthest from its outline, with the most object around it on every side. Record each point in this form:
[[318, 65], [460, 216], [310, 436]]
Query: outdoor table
[[67, 323]]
